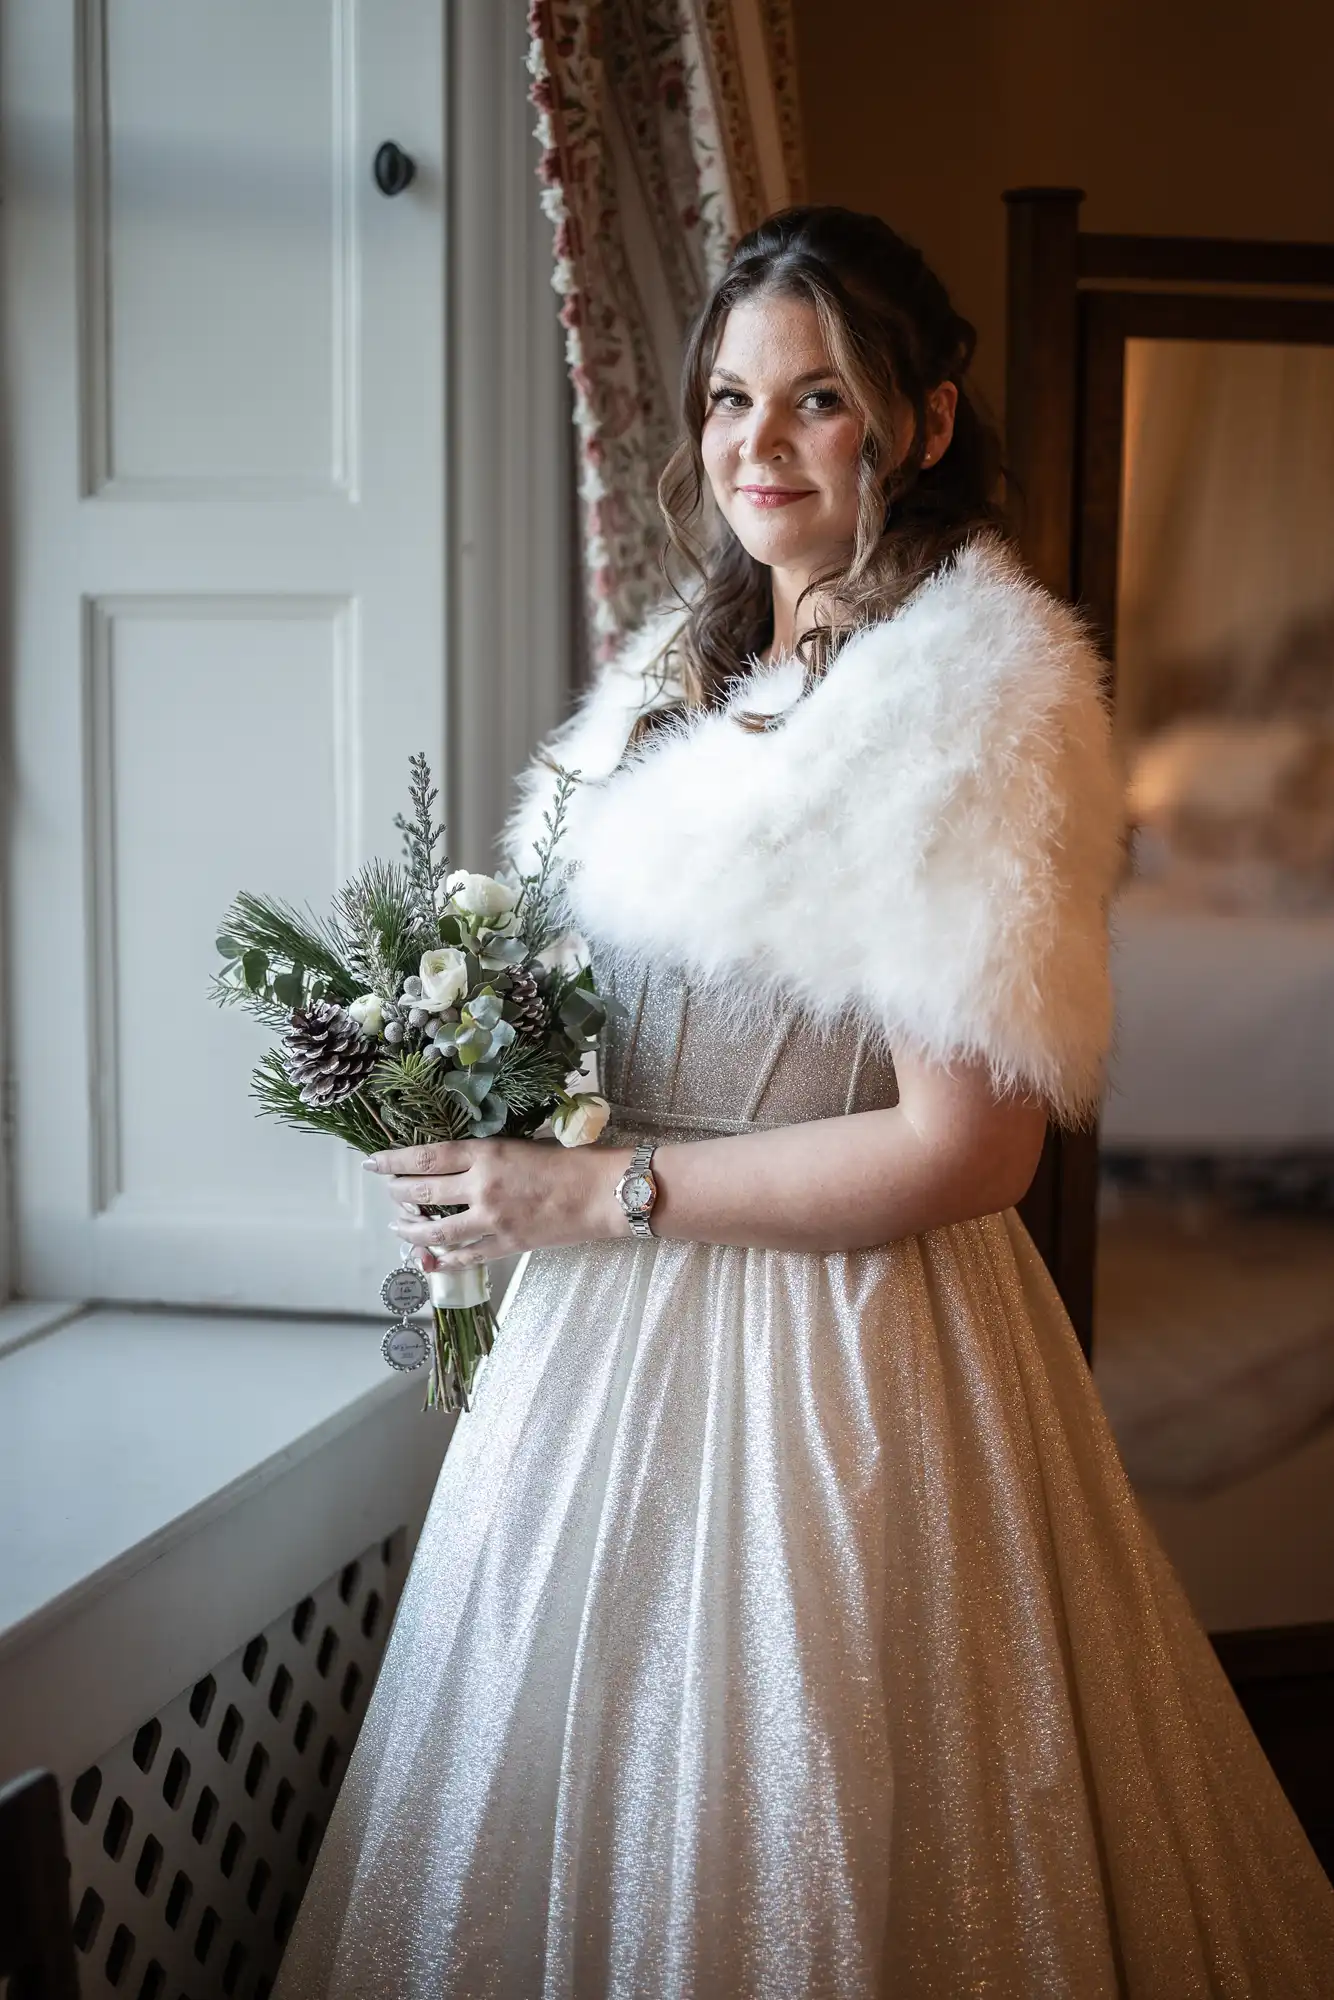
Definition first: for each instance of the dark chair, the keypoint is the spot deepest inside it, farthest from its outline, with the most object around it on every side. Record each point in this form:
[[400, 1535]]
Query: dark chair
[[36, 1949]]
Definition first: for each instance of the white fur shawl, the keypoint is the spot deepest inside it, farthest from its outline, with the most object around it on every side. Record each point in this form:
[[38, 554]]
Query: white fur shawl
[[929, 840]]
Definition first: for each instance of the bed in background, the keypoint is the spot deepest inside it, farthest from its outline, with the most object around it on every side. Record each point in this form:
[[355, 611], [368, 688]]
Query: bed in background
[[1214, 1345], [1223, 957]]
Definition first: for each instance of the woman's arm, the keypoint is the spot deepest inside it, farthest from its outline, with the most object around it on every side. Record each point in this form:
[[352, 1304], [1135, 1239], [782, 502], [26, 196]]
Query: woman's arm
[[948, 1150]]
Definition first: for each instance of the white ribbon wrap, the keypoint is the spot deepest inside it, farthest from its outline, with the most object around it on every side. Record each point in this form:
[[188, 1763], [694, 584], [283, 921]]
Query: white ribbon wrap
[[455, 1289]]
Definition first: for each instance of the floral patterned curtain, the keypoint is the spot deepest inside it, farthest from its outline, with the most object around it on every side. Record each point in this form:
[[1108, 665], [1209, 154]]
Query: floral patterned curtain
[[668, 128]]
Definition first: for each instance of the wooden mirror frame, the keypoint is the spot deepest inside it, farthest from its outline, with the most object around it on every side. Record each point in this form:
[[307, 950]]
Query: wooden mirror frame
[[1073, 300]]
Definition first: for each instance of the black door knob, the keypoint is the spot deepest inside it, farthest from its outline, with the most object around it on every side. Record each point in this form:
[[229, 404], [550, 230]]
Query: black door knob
[[393, 169]]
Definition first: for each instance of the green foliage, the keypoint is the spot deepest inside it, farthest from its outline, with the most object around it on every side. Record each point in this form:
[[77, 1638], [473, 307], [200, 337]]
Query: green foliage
[[413, 1099], [266, 928], [578, 1014], [353, 1120], [426, 870], [378, 922], [538, 907], [467, 1073], [277, 959], [230, 991], [528, 1076]]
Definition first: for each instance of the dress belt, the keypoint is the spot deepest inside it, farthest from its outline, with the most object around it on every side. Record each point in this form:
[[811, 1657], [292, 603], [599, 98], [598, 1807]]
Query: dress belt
[[645, 1118]]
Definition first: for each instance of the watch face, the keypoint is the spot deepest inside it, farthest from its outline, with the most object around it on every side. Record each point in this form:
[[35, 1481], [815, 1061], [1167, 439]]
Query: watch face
[[639, 1191]]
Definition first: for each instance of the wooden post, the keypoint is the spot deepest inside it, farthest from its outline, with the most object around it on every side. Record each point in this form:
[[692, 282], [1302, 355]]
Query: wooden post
[[1041, 389], [1041, 375]]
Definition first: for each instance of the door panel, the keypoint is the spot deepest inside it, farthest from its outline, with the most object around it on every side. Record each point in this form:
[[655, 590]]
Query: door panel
[[220, 245], [226, 358]]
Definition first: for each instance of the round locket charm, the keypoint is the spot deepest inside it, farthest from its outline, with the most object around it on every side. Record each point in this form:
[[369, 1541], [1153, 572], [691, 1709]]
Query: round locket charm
[[405, 1346], [405, 1290]]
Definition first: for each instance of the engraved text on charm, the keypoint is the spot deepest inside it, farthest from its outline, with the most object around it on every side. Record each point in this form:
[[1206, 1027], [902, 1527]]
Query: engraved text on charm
[[405, 1346], [405, 1290]]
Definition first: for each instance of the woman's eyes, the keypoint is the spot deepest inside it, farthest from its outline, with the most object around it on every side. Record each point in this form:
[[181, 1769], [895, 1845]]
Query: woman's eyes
[[821, 400]]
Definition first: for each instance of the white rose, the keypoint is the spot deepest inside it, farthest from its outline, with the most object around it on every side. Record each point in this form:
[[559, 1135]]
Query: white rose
[[368, 1013], [481, 895], [581, 1121], [444, 978]]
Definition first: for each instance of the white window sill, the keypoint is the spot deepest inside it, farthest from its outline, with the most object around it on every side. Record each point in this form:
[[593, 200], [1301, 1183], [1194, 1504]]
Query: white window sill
[[169, 1479]]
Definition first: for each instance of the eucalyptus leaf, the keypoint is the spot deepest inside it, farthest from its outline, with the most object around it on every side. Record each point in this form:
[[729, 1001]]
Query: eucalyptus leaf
[[490, 1117], [582, 1012], [228, 946], [289, 989], [255, 969], [484, 1008], [472, 1085], [503, 951]]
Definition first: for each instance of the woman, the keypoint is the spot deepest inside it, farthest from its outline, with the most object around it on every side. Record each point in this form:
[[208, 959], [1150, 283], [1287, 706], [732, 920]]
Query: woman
[[783, 1624]]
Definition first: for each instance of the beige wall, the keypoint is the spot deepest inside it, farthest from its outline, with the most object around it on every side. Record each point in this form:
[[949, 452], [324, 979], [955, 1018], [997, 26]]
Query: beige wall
[[1199, 117]]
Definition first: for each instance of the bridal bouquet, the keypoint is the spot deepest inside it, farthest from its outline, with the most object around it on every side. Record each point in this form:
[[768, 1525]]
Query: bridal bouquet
[[424, 1007]]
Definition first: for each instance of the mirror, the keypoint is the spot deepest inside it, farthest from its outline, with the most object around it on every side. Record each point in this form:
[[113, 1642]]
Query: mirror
[[1214, 1302]]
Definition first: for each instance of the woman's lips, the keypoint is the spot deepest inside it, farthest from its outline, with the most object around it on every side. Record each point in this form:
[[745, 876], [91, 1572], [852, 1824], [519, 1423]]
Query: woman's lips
[[775, 496]]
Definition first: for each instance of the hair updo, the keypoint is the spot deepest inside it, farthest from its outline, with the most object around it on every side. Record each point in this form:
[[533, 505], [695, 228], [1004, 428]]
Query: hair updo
[[891, 333]]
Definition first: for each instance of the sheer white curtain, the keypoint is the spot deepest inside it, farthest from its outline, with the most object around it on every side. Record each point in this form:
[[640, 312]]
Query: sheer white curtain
[[1227, 550]]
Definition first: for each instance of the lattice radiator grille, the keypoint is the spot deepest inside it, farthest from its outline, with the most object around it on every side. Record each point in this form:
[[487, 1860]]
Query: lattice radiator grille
[[191, 1842]]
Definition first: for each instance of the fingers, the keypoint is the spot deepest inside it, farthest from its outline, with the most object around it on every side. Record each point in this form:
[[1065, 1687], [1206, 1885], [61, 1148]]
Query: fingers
[[438, 1193], [447, 1156], [440, 1232]]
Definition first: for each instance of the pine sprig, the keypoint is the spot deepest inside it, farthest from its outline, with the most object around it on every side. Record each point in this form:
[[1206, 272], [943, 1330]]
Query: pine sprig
[[232, 991], [378, 923], [426, 870], [353, 1120], [538, 918], [296, 937], [411, 1099], [528, 1076]]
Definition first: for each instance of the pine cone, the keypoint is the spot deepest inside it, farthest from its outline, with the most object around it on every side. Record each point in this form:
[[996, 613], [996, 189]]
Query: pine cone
[[525, 1002], [327, 1053]]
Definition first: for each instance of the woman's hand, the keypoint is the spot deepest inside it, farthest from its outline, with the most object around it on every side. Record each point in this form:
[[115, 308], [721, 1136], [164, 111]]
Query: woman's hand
[[518, 1194], [950, 1149]]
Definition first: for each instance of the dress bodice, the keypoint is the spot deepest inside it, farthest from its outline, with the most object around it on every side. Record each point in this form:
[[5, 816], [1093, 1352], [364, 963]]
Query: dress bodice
[[672, 1062]]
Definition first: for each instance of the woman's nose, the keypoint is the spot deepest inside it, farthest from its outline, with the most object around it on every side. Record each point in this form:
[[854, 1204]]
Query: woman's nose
[[765, 436]]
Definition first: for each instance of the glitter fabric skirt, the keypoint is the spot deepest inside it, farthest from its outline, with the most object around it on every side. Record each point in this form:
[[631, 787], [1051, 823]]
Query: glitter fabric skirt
[[783, 1626]]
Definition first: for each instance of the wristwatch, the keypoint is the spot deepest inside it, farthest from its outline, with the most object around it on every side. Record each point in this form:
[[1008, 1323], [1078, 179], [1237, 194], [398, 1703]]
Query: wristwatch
[[637, 1190]]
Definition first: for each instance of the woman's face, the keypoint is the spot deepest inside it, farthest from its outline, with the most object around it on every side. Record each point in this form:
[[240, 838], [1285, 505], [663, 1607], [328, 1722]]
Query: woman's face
[[780, 445]]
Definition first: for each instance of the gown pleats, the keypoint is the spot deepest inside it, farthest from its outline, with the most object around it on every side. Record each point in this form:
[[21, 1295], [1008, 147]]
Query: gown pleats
[[783, 1627]]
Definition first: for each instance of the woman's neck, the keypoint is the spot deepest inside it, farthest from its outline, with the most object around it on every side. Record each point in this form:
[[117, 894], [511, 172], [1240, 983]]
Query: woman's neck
[[788, 586]]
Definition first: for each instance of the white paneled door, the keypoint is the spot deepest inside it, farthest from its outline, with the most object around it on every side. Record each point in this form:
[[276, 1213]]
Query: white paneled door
[[225, 402]]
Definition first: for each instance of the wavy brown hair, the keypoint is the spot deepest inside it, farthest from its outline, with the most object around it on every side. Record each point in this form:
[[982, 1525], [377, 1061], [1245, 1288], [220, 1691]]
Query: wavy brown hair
[[892, 337]]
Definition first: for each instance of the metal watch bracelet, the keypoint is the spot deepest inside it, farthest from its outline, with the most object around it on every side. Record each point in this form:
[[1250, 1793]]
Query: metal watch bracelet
[[639, 1166]]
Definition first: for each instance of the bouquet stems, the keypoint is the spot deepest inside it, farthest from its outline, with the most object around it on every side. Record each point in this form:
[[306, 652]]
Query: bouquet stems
[[463, 1335], [465, 1331]]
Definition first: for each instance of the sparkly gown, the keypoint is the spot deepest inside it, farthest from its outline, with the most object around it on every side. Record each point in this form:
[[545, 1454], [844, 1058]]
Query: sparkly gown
[[783, 1628]]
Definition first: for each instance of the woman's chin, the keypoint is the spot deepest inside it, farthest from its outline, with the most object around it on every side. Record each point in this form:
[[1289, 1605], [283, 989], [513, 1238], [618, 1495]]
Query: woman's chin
[[780, 548]]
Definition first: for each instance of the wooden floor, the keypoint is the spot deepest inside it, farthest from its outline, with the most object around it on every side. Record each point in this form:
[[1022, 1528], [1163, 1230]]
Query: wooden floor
[[1214, 1355]]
